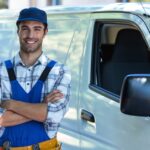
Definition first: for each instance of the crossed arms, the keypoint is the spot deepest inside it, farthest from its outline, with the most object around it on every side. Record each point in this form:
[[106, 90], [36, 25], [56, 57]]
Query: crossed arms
[[18, 112]]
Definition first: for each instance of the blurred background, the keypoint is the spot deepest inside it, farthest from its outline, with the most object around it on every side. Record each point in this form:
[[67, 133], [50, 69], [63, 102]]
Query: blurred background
[[15, 4]]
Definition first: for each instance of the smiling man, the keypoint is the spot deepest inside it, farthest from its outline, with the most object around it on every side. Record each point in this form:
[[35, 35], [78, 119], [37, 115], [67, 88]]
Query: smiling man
[[35, 90]]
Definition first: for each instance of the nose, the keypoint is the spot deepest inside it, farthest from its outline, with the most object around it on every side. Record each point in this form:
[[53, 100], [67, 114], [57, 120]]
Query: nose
[[31, 33]]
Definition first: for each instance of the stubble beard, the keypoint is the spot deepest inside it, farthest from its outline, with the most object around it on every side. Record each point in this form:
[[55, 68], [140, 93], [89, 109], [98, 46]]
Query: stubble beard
[[26, 49]]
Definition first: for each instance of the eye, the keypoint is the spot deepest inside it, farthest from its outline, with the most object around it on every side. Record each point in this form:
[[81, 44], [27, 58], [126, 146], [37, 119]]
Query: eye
[[38, 29], [24, 28]]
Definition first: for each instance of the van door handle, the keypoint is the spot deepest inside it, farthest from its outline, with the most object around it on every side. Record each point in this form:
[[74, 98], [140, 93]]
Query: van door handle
[[87, 116]]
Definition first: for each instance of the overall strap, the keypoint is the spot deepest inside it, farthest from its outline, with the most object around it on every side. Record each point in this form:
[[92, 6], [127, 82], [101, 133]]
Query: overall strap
[[46, 71], [10, 70]]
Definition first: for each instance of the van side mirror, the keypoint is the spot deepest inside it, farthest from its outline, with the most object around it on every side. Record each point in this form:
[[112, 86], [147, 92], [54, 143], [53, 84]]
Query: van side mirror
[[135, 95]]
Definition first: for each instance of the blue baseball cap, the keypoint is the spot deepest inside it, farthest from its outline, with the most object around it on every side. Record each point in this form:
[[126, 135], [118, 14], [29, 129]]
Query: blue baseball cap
[[32, 14]]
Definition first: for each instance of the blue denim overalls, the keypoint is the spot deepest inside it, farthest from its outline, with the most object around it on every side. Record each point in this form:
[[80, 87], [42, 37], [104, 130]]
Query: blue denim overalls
[[31, 132]]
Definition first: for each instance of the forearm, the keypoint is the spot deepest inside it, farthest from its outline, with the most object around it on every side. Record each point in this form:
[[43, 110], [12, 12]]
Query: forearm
[[32, 111], [10, 118]]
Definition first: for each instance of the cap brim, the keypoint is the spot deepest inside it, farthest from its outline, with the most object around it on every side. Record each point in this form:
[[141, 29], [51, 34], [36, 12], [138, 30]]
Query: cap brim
[[30, 19]]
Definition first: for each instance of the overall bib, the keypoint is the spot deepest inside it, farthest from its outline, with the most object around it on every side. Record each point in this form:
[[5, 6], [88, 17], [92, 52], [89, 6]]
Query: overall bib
[[31, 132]]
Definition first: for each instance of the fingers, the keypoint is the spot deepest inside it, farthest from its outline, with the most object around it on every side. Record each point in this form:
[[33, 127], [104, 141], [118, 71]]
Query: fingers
[[54, 96]]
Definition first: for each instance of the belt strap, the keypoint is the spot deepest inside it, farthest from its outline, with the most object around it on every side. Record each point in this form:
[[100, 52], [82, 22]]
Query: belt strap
[[10, 70], [51, 144], [46, 71]]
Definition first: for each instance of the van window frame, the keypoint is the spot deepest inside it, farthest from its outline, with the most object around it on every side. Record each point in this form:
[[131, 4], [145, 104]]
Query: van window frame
[[95, 46]]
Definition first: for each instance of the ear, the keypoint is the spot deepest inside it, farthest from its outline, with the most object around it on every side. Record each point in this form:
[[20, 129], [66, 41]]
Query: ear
[[17, 31], [46, 31]]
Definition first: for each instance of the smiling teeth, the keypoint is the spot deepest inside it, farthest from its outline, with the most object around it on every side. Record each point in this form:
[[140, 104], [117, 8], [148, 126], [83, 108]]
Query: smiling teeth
[[30, 42]]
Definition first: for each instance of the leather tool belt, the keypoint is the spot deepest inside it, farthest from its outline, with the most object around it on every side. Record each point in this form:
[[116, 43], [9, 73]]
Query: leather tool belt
[[51, 144]]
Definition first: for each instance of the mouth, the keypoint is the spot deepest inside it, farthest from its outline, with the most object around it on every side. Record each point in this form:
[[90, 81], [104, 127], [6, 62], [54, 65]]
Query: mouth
[[30, 41]]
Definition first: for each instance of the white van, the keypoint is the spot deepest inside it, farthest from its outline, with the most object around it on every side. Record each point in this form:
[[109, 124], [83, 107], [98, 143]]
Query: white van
[[107, 49]]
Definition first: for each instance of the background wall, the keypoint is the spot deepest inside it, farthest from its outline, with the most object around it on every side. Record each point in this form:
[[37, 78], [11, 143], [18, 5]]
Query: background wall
[[19, 4]]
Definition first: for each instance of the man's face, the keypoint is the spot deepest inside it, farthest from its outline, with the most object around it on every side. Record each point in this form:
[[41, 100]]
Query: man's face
[[31, 34]]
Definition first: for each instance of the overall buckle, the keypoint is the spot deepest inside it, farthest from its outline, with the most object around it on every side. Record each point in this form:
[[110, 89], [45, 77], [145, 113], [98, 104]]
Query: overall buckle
[[35, 147], [6, 145]]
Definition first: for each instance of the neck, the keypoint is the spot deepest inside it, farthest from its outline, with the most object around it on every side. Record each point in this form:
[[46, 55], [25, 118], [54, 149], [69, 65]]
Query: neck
[[29, 58]]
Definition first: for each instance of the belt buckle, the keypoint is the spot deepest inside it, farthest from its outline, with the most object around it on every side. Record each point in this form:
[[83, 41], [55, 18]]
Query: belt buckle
[[6, 145], [35, 147]]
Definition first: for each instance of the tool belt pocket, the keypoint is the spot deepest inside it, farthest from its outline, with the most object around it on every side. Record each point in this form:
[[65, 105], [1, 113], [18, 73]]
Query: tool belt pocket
[[52, 144], [58, 147]]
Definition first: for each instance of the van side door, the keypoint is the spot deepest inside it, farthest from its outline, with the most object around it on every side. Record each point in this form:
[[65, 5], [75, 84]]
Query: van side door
[[117, 48]]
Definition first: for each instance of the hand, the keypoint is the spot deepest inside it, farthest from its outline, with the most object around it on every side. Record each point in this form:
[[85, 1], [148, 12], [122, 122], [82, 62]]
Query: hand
[[54, 96], [5, 104]]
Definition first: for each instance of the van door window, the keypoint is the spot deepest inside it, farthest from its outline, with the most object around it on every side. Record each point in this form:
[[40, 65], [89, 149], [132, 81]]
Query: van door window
[[121, 51]]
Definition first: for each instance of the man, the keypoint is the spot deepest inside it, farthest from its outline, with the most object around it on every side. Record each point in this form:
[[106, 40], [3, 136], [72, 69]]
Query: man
[[34, 89]]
